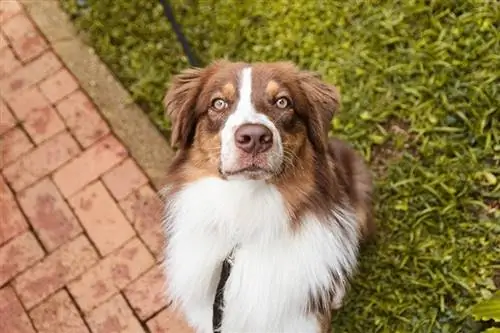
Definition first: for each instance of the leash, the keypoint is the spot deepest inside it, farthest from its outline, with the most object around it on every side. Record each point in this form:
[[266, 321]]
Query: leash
[[191, 57], [227, 264]]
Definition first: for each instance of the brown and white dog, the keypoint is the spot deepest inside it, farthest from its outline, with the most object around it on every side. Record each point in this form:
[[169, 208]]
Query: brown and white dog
[[257, 176]]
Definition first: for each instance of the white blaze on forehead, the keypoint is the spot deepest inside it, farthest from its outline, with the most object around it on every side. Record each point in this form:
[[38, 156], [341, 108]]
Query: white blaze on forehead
[[245, 110], [245, 113]]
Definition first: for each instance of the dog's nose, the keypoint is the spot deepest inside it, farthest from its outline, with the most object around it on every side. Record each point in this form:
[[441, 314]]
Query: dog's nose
[[253, 138]]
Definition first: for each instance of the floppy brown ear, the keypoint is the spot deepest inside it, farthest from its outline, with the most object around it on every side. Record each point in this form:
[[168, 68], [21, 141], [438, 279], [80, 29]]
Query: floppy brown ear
[[180, 102], [324, 101]]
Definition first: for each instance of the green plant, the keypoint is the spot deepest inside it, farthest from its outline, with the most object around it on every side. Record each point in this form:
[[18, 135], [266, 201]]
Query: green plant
[[488, 310]]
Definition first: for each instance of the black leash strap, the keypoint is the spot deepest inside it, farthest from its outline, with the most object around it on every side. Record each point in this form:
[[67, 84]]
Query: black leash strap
[[219, 294], [167, 9]]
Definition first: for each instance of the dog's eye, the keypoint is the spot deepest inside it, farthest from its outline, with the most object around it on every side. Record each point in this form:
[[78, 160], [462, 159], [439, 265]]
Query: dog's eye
[[219, 104], [282, 103]]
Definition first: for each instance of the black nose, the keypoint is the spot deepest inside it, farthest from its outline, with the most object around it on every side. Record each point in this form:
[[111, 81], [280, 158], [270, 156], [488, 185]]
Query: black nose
[[253, 138]]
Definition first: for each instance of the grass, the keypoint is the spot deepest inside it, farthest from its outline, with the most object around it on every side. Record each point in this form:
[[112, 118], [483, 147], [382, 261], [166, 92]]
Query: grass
[[420, 83]]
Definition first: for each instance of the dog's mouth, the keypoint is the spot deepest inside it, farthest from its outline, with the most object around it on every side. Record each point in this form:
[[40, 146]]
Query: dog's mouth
[[254, 172]]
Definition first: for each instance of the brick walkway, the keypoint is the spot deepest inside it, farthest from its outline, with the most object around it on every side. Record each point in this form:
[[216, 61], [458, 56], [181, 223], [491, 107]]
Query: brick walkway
[[80, 237]]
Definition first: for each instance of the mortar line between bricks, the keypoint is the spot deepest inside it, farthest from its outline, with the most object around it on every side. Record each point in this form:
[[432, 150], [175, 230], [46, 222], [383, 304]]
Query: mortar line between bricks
[[146, 247], [80, 153], [154, 314], [25, 64], [36, 146], [97, 263], [84, 231], [66, 202], [30, 266], [30, 226], [78, 309], [143, 324], [136, 233], [19, 125], [101, 256], [26, 311], [49, 174], [66, 283], [132, 224]]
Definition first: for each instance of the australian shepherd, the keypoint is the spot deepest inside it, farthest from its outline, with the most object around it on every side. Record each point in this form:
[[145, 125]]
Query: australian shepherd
[[257, 182]]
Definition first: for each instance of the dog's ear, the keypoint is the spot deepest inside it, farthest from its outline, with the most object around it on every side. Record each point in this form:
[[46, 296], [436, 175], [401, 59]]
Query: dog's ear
[[324, 103], [180, 102]]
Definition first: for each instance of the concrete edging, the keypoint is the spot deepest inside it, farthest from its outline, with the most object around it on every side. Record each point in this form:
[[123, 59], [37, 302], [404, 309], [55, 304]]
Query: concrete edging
[[129, 123]]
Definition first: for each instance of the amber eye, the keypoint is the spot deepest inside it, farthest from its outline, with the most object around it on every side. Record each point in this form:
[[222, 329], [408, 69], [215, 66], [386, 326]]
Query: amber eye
[[219, 104], [282, 103]]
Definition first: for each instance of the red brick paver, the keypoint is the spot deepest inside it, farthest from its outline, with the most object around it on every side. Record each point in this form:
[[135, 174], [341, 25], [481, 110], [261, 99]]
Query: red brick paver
[[101, 217], [113, 273], [49, 214], [12, 315], [58, 314], [7, 120], [114, 316], [168, 321], [18, 254], [143, 293], [80, 224]]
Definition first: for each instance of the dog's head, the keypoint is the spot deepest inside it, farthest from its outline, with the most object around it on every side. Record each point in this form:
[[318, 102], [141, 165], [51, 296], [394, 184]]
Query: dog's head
[[249, 121]]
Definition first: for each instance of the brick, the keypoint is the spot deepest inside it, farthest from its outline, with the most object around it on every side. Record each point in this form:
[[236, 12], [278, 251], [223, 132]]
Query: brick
[[29, 46], [7, 120], [91, 164], [8, 61], [49, 214], [112, 274], [14, 144], [169, 321], [17, 27], [146, 294], [58, 85], [53, 272], [13, 319], [19, 254], [124, 178], [12, 221], [82, 118], [145, 210], [30, 74], [58, 314], [44, 159], [27, 101], [43, 123], [101, 218], [114, 316], [155, 241], [9, 8]]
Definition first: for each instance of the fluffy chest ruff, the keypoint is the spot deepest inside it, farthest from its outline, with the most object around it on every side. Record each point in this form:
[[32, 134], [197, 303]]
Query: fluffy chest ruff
[[257, 176], [280, 276]]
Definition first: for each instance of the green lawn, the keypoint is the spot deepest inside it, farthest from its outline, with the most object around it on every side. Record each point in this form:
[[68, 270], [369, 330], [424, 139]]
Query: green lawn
[[421, 99]]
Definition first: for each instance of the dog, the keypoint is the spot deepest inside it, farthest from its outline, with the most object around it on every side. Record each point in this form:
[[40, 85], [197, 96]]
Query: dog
[[257, 179]]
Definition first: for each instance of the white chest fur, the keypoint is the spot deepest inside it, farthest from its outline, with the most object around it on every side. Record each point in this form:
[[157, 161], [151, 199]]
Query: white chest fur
[[275, 270]]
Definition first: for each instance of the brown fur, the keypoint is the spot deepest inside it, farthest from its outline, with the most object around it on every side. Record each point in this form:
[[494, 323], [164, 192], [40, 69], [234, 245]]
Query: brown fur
[[317, 174]]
